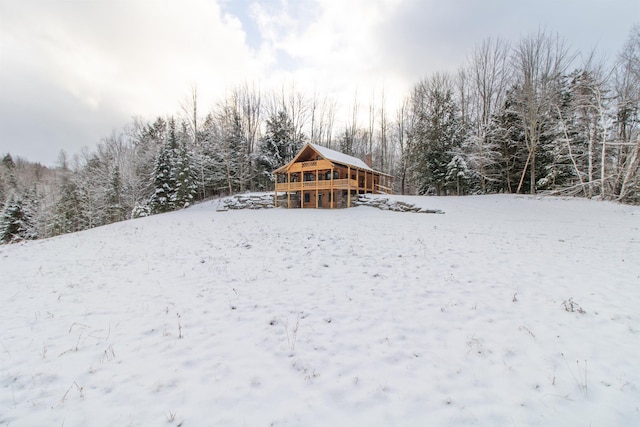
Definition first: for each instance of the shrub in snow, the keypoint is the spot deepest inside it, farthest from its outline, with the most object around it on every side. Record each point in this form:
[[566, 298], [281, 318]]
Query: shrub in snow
[[571, 306], [140, 211]]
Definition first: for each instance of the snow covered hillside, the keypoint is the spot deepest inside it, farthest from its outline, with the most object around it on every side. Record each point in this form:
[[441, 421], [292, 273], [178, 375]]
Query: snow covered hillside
[[505, 310]]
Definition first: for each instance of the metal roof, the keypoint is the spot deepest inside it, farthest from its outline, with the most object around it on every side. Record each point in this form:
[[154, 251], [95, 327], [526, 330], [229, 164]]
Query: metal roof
[[332, 156]]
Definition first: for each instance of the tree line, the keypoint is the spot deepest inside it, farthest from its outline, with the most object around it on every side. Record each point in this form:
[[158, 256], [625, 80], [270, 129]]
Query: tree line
[[528, 117]]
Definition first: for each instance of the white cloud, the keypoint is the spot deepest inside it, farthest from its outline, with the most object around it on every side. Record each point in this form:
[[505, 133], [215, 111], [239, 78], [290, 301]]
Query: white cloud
[[334, 49], [73, 70], [114, 59]]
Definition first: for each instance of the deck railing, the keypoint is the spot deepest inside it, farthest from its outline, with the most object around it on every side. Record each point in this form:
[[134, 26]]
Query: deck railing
[[381, 189], [336, 184]]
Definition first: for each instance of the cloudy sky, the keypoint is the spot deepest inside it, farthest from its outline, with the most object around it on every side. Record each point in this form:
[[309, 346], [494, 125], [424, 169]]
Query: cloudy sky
[[73, 71]]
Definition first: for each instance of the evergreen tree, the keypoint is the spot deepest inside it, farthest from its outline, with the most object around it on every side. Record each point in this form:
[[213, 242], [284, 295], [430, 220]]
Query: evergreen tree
[[17, 222], [346, 143], [568, 146], [506, 132], [69, 215], [278, 146], [92, 182], [8, 182], [208, 159], [3, 190], [163, 197], [458, 175], [10, 167], [437, 132], [231, 150], [550, 170], [114, 196], [165, 174], [186, 187], [148, 142]]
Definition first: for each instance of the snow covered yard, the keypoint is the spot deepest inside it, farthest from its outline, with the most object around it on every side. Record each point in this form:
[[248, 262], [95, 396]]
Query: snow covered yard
[[505, 310]]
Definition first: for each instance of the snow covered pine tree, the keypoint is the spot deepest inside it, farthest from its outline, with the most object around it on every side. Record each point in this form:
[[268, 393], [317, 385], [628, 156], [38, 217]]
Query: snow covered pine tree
[[17, 222]]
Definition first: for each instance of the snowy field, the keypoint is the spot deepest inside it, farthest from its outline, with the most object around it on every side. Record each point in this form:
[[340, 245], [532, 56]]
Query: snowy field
[[505, 310]]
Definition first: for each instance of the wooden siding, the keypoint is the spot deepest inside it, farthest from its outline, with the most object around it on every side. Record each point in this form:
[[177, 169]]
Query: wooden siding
[[310, 165]]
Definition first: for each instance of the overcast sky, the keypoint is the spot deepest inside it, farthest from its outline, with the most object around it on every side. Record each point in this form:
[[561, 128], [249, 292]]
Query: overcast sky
[[73, 71]]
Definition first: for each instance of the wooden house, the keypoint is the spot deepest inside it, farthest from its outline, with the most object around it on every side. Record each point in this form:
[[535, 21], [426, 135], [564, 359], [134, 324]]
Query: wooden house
[[319, 177]]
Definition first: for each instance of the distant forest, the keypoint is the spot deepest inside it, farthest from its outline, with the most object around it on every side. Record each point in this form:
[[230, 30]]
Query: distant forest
[[528, 117]]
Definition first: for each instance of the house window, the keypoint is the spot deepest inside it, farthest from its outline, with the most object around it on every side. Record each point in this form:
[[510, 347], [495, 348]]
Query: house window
[[307, 197], [336, 175]]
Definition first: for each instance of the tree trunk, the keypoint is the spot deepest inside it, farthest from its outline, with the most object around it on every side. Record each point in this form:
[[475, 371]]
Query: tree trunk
[[533, 171]]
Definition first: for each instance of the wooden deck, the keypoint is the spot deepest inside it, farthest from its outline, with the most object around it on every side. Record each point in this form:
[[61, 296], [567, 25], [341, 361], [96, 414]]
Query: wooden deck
[[336, 184]]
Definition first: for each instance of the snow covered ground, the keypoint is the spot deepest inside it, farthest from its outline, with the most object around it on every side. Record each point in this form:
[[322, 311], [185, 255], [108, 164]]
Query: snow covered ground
[[506, 310]]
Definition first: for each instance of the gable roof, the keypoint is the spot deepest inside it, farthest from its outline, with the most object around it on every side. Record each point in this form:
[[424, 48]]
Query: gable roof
[[338, 157], [332, 156]]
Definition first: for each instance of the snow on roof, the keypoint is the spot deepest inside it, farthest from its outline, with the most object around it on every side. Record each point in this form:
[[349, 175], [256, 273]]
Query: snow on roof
[[338, 157]]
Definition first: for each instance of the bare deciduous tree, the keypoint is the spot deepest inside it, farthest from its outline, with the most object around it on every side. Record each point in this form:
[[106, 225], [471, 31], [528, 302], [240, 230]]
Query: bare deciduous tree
[[627, 96], [538, 61], [489, 76], [403, 125]]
